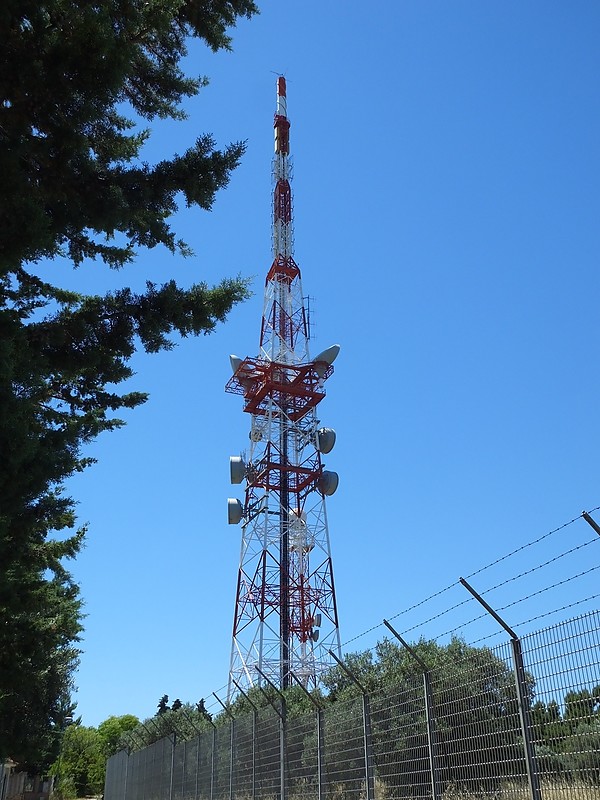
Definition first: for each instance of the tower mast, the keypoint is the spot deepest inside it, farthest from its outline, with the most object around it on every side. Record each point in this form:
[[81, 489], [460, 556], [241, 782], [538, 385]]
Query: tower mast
[[285, 616]]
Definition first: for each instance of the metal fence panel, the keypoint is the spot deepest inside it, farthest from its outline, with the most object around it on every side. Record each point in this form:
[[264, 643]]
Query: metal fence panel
[[565, 715], [400, 742], [344, 766], [477, 723], [267, 747], [475, 745], [301, 752], [190, 770], [135, 775], [205, 766], [157, 773], [178, 760], [222, 776], [115, 785], [244, 764]]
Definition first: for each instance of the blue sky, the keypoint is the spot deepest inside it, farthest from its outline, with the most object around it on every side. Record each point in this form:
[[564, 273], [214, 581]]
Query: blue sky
[[446, 217]]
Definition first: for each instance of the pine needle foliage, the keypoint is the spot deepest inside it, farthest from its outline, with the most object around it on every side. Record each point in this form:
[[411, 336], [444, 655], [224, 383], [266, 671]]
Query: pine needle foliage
[[79, 80]]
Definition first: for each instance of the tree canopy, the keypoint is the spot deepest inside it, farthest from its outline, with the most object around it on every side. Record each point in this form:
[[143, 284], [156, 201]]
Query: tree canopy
[[78, 82], [80, 768], [111, 732]]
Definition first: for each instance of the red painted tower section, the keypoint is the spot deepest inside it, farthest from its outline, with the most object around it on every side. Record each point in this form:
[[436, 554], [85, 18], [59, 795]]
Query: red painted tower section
[[285, 620]]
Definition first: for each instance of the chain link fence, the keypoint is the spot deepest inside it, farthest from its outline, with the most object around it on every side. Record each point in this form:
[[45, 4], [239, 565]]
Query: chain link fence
[[520, 721]]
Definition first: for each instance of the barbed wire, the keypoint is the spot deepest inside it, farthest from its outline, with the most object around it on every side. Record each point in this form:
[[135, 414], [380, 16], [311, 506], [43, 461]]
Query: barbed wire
[[539, 616], [557, 610], [548, 588], [213, 706], [212, 703], [360, 635], [400, 613], [519, 600], [493, 588], [530, 544], [541, 566]]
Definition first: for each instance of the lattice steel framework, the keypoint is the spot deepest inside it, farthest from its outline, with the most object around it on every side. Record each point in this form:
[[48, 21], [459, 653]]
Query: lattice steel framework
[[285, 617]]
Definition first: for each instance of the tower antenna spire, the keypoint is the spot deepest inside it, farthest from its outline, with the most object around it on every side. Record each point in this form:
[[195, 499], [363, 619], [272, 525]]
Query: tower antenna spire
[[285, 617]]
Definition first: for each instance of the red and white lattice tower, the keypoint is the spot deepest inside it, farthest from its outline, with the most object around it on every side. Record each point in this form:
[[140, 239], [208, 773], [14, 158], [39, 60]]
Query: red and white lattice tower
[[286, 617]]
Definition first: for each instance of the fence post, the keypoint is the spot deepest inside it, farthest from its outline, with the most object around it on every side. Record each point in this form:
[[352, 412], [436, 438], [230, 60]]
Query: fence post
[[144, 757], [231, 742], [319, 718], [197, 781], [126, 776], [367, 733], [173, 743], [254, 715], [521, 686], [591, 522], [282, 734], [212, 761], [429, 715]]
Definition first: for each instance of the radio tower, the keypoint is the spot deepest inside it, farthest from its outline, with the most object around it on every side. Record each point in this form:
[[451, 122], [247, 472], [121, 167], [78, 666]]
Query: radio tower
[[285, 617]]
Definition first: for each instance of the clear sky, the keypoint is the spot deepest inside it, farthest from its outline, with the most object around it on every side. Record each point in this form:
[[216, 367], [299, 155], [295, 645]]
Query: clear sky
[[446, 192]]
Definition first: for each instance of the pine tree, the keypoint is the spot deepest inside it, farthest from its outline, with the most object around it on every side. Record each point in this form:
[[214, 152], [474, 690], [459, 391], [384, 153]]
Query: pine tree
[[74, 185], [201, 709], [163, 705]]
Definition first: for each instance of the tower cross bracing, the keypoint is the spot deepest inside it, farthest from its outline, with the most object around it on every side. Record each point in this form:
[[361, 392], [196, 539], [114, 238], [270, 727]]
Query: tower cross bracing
[[285, 619]]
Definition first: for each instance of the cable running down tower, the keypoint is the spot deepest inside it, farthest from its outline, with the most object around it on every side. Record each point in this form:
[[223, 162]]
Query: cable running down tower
[[285, 617]]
